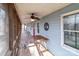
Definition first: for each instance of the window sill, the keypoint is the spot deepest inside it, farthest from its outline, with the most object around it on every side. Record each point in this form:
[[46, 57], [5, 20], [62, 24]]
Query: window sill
[[73, 50]]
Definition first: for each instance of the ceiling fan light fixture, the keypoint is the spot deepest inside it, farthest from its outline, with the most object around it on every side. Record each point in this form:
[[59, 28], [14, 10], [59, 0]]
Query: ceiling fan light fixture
[[32, 20]]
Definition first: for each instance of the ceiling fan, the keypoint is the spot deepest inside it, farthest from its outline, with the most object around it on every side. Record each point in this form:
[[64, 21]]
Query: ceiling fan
[[34, 17]]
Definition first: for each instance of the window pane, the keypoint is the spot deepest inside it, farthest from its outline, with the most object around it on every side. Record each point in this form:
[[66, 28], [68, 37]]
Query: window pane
[[2, 22], [69, 38], [77, 22], [69, 22], [78, 40]]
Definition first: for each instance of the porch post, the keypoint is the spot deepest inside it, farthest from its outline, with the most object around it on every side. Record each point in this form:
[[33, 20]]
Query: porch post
[[33, 30]]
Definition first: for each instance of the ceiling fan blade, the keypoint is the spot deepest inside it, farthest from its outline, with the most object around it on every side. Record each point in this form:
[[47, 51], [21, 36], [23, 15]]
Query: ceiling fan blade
[[37, 18]]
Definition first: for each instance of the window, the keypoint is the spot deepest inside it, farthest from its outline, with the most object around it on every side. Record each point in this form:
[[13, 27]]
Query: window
[[2, 22], [70, 31]]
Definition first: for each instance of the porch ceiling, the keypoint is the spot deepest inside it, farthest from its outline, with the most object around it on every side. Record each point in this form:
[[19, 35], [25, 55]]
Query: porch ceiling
[[42, 9]]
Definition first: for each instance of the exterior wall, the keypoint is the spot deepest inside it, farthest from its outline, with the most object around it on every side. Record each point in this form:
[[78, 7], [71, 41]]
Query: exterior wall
[[54, 32], [4, 31]]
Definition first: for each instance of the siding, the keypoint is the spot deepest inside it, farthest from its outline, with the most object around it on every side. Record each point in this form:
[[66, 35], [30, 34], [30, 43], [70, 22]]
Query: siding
[[54, 32]]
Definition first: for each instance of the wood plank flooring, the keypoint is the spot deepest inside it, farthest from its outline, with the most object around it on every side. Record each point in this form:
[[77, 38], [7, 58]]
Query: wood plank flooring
[[28, 47]]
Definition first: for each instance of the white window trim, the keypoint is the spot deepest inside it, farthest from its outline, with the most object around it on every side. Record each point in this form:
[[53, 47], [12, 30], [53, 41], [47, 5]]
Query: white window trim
[[71, 49]]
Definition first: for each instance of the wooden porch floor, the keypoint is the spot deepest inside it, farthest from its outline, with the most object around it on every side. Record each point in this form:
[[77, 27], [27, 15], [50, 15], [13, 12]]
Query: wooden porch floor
[[29, 48]]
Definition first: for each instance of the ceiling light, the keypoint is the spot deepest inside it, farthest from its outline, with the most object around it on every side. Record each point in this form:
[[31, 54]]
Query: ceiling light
[[32, 20]]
